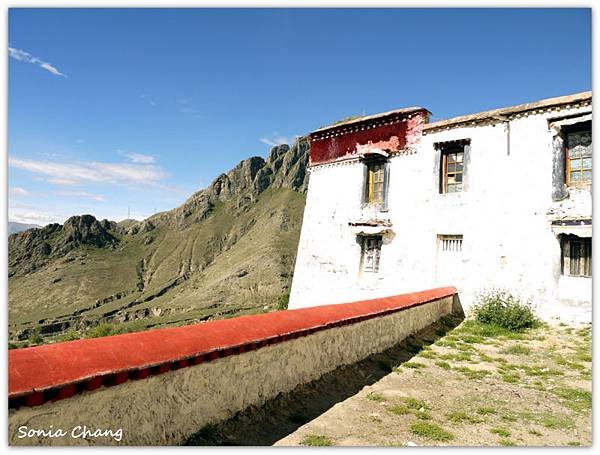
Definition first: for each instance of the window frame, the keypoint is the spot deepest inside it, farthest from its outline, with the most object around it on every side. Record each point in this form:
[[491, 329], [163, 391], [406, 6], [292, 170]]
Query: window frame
[[368, 190], [445, 169], [573, 129], [375, 170], [584, 245], [450, 243], [444, 150], [364, 253]]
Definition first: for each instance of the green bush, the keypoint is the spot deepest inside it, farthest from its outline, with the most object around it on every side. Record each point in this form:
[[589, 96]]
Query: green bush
[[101, 330], [283, 302], [501, 308], [70, 336], [35, 338]]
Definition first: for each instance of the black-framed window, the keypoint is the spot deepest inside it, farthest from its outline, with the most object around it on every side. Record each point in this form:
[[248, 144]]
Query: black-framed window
[[371, 253], [578, 153], [576, 255], [452, 159]]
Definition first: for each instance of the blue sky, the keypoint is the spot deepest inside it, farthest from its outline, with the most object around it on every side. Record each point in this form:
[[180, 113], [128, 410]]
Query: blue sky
[[115, 110]]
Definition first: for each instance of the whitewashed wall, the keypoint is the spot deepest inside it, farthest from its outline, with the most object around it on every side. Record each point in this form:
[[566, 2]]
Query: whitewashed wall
[[508, 241]]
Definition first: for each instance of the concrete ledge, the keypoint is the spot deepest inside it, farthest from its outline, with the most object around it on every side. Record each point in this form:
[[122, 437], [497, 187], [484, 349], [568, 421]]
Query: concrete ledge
[[194, 375]]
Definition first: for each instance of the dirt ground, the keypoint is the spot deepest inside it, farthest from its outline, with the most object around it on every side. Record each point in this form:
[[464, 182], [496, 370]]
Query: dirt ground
[[472, 387]]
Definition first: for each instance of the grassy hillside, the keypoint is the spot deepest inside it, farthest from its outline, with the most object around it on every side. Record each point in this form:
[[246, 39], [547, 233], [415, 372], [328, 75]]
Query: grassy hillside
[[229, 250]]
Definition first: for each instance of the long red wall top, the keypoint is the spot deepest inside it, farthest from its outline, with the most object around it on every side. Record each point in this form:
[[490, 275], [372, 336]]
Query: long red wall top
[[54, 371]]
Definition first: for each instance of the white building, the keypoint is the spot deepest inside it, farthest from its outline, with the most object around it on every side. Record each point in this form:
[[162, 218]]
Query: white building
[[500, 199]]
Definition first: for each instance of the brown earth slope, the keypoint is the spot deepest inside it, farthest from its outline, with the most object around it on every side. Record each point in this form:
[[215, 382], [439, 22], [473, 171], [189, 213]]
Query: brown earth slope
[[229, 249]]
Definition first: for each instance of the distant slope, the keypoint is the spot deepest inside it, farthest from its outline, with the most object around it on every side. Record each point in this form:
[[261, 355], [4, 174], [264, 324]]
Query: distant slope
[[14, 227], [229, 249]]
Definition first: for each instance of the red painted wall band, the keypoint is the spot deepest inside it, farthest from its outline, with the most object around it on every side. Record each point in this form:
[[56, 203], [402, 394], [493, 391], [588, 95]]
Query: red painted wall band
[[57, 371], [339, 145]]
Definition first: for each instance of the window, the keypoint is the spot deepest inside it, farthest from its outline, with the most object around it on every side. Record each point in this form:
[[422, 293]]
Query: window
[[453, 165], [375, 181], [576, 255], [579, 153], [371, 252], [453, 172], [450, 243]]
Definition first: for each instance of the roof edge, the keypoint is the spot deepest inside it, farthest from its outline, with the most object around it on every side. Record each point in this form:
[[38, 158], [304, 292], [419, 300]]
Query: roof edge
[[367, 118], [511, 110]]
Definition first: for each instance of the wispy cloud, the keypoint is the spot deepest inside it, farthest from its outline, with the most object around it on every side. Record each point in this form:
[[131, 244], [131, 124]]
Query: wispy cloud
[[82, 194], [92, 171], [278, 139], [148, 99], [135, 157], [16, 191], [29, 214], [23, 56]]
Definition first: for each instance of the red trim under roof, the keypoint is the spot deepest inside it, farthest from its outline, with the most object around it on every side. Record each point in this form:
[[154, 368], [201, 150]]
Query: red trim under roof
[[54, 371]]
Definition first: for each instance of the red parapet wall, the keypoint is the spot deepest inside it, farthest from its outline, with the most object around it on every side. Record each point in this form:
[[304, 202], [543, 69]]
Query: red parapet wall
[[392, 133], [56, 371]]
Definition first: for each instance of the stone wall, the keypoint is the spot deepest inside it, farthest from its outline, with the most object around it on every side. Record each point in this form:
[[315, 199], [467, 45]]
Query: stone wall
[[165, 409]]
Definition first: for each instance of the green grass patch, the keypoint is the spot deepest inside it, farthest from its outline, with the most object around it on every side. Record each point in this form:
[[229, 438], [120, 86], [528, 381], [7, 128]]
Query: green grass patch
[[503, 432], [316, 440], [444, 365], [446, 343], [553, 421], [540, 370], [486, 411], [374, 396], [512, 378], [486, 358], [574, 443], [473, 374], [575, 399], [398, 409], [431, 431], [583, 354], [458, 357], [465, 347], [463, 417], [487, 332], [535, 432], [422, 415], [517, 349], [414, 403], [414, 365], [428, 354]]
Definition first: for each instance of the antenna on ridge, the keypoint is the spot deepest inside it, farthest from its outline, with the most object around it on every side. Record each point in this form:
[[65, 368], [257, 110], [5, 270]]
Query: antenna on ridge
[[128, 213]]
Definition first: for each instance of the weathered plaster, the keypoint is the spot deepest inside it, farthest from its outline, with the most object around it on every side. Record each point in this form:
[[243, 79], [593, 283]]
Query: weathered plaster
[[504, 214]]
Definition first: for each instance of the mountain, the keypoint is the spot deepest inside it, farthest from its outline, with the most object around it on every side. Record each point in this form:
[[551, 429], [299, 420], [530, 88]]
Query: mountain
[[228, 250], [14, 227]]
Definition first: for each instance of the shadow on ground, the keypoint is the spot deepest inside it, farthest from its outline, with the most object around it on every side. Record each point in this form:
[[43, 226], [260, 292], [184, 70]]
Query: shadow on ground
[[265, 425]]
